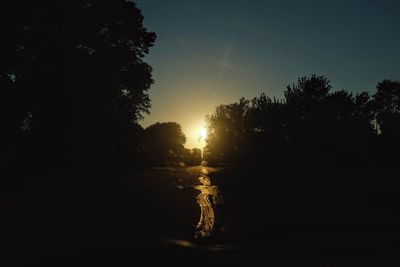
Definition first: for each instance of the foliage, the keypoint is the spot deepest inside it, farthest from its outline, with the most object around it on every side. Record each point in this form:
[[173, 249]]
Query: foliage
[[72, 77], [311, 123], [387, 101], [164, 143], [226, 129]]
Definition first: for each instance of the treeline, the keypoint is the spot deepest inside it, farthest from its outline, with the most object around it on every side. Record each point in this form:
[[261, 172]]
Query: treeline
[[311, 126], [317, 162], [74, 85], [160, 144]]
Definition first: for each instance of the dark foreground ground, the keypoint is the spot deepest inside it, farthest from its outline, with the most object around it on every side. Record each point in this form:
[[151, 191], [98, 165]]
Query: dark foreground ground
[[150, 219]]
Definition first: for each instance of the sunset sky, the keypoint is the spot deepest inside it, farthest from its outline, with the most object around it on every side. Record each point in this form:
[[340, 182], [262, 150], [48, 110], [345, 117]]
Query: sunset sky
[[214, 52]]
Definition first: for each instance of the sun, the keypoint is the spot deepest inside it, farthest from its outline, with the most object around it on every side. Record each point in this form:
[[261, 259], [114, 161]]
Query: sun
[[197, 134], [203, 134]]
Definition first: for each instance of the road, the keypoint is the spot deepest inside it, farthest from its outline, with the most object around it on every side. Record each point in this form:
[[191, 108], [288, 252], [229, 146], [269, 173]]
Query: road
[[185, 196], [174, 214]]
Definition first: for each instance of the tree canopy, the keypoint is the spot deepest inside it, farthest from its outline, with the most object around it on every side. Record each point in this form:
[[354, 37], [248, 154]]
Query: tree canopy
[[72, 75], [387, 100], [311, 120]]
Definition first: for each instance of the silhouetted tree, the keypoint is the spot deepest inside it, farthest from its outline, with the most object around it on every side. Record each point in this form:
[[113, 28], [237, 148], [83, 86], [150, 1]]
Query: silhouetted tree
[[164, 143], [307, 93], [387, 101], [72, 77], [305, 100], [192, 157], [310, 124], [316, 150], [267, 118], [226, 132], [387, 115]]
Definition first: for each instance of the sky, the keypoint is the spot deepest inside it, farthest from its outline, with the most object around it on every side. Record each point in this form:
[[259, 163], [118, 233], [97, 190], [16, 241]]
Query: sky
[[213, 52]]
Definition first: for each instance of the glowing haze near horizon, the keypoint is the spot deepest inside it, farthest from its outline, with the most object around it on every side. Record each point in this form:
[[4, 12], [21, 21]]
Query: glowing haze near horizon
[[214, 52]]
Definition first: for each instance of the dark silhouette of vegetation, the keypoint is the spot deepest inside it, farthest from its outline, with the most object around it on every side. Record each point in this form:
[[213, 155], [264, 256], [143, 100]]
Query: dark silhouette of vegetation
[[387, 101], [74, 87], [164, 146], [164, 143], [193, 157], [74, 82], [325, 126], [318, 157]]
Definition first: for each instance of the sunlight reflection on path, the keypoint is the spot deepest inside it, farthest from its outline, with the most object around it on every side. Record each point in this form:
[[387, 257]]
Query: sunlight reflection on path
[[205, 225]]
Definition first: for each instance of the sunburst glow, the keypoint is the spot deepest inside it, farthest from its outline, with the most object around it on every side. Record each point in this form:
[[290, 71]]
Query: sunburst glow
[[203, 134], [196, 134]]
